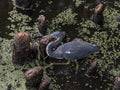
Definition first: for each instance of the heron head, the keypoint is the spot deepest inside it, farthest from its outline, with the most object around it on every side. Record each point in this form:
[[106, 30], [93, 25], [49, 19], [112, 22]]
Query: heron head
[[58, 34]]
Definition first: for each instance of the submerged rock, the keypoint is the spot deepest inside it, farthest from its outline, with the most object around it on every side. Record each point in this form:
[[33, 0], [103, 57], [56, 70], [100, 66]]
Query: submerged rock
[[42, 25], [117, 83], [92, 69], [44, 85], [33, 76], [98, 17]]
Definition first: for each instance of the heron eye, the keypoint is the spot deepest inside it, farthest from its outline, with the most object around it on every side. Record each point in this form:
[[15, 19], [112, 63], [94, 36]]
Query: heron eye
[[54, 49]]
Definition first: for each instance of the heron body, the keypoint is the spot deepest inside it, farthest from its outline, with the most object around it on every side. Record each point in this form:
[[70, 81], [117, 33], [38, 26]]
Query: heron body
[[76, 50], [73, 50]]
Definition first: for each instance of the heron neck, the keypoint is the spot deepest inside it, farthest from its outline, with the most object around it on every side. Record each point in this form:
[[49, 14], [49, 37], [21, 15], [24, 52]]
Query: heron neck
[[49, 48]]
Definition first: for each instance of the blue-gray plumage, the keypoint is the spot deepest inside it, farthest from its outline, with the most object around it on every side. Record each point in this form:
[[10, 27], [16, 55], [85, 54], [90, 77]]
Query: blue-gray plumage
[[73, 50]]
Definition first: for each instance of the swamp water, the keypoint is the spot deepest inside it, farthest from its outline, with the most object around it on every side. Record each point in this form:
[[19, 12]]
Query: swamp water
[[75, 19]]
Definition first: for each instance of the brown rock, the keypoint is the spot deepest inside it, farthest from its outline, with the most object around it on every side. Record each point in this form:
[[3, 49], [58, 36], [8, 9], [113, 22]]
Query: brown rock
[[33, 76], [92, 69], [98, 17], [44, 85], [42, 25], [117, 83], [21, 47]]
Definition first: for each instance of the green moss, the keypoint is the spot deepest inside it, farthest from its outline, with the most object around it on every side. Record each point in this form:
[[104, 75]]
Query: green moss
[[107, 37], [79, 2], [67, 17]]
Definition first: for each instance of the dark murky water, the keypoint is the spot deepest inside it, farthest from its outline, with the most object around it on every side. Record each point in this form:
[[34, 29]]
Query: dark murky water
[[5, 7], [73, 81]]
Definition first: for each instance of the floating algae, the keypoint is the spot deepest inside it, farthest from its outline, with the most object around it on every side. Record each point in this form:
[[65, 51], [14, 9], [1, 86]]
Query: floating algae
[[107, 37]]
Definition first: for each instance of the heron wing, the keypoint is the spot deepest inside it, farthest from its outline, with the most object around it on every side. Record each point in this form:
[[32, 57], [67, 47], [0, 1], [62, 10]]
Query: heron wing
[[75, 50]]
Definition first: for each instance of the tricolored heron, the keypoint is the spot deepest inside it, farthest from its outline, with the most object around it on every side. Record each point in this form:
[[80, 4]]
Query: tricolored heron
[[72, 51]]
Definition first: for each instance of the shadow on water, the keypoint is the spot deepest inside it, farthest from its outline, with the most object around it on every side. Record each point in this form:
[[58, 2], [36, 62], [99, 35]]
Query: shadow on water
[[5, 7], [52, 7]]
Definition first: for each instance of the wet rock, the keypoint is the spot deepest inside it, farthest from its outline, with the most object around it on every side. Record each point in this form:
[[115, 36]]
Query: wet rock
[[42, 25], [92, 69], [44, 85], [98, 17], [117, 83], [33, 76], [21, 47]]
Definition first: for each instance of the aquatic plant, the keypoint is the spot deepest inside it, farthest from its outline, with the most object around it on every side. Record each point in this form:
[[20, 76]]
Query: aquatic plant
[[117, 4], [79, 2], [107, 37], [67, 17], [11, 77], [19, 22]]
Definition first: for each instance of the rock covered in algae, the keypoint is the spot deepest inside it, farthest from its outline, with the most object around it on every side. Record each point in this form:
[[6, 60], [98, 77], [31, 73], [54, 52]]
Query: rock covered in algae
[[21, 47], [33, 76]]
